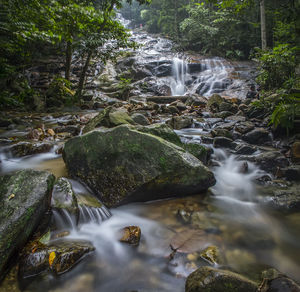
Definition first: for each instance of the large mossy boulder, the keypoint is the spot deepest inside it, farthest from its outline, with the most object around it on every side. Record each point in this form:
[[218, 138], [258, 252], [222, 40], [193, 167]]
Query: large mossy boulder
[[24, 198], [123, 165], [208, 279]]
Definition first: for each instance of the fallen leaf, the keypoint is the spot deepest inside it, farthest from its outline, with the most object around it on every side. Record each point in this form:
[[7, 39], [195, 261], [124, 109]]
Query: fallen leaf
[[11, 196], [52, 256]]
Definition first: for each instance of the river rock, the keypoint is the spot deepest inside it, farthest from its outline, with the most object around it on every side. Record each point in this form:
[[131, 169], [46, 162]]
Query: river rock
[[214, 102], [245, 149], [58, 256], [123, 165], [180, 122], [223, 142], [210, 279], [140, 119], [163, 131], [217, 132], [63, 196], [109, 117], [196, 100], [244, 127], [24, 199], [274, 281], [258, 136], [26, 148], [131, 235]]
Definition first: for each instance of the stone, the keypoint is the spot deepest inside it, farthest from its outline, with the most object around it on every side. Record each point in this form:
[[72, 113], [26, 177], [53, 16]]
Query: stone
[[226, 106], [131, 235], [181, 106], [244, 149], [180, 122], [163, 131], [223, 115], [235, 119], [223, 142], [196, 100], [109, 117], [58, 256], [208, 279], [214, 102], [27, 148], [199, 151], [244, 127], [212, 255], [217, 132], [172, 110], [258, 136], [286, 200], [63, 196], [295, 152], [123, 165], [274, 281], [24, 199], [140, 119]]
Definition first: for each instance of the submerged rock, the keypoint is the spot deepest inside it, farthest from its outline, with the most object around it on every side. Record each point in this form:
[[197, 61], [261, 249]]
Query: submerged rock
[[122, 165], [59, 257], [24, 199], [210, 279]]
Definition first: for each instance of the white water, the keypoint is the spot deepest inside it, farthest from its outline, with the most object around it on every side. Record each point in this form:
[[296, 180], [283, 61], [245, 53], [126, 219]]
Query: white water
[[179, 73]]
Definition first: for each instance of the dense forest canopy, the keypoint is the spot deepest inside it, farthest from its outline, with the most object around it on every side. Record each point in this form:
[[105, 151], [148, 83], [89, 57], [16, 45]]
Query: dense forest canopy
[[265, 30]]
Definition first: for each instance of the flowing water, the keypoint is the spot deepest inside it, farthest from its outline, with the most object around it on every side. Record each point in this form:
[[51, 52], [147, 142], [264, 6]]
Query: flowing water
[[249, 237]]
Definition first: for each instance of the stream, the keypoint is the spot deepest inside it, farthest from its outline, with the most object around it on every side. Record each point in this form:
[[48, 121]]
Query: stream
[[250, 238]]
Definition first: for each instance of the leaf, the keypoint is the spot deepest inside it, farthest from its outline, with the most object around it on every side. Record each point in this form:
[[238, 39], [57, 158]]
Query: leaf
[[52, 256], [45, 238], [11, 196], [188, 241]]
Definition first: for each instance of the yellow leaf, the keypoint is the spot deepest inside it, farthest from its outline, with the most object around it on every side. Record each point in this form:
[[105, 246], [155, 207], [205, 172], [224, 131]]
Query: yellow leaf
[[11, 196], [52, 256]]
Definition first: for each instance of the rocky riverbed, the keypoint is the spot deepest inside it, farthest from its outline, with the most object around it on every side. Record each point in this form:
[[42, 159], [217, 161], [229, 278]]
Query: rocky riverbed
[[128, 145]]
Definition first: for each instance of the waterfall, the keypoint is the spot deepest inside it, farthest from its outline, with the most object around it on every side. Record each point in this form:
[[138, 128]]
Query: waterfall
[[179, 72]]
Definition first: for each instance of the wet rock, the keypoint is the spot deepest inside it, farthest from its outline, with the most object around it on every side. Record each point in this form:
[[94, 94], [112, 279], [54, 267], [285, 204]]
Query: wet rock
[[73, 130], [210, 279], [235, 119], [286, 200], [172, 110], [295, 152], [58, 256], [212, 255], [181, 106], [244, 149], [140, 119], [227, 107], [199, 151], [244, 127], [163, 131], [5, 122], [63, 196], [214, 102], [166, 99], [109, 117], [274, 281], [223, 142], [221, 133], [123, 165], [131, 235], [223, 115], [258, 136], [180, 122], [26, 148], [24, 199], [195, 100]]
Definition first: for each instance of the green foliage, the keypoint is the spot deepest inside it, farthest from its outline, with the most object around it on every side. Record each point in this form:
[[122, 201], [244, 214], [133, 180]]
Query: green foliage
[[286, 112], [277, 67]]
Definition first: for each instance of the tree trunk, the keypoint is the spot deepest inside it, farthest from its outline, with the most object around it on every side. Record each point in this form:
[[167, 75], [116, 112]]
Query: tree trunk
[[263, 25], [83, 74], [68, 60]]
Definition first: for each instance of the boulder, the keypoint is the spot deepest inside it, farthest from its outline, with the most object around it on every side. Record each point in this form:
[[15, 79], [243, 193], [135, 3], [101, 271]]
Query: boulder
[[109, 117], [24, 199], [123, 165], [210, 279], [214, 102], [180, 122], [244, 127], [223, 142], [140, 119], [26, 148], [258, 136], [58, 256]]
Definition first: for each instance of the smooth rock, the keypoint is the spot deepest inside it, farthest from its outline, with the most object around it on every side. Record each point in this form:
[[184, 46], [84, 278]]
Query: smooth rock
[[180, 122], [122, 165], [258, 136], [208, 279], [24, 199], [131, 235], [140, 119]]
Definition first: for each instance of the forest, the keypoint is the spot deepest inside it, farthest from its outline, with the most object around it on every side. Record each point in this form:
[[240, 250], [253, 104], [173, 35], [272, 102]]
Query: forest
[[150, 145]]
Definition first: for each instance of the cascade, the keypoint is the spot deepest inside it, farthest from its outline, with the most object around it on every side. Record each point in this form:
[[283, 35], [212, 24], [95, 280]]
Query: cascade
[[179, 74]]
